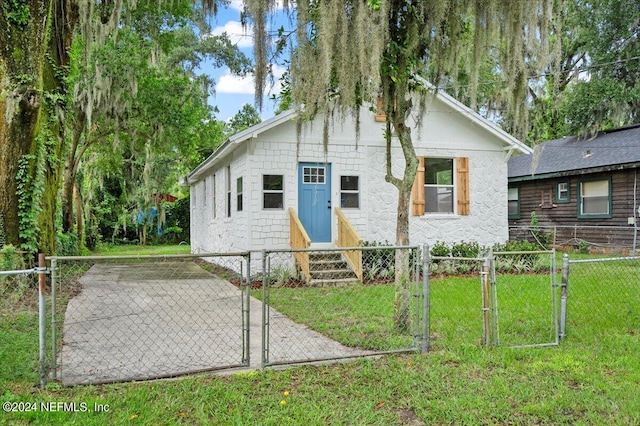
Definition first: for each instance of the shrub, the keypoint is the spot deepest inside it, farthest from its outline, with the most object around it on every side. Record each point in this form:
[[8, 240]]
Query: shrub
[[465, 249], [440, 249]]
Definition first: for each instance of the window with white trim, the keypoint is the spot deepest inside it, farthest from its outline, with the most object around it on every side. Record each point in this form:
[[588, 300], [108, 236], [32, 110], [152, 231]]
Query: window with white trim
[[349, 192], [438, 185], [272, 192], [228, 191], [213, 197], [239, 194], [562, 192], [204, 191]]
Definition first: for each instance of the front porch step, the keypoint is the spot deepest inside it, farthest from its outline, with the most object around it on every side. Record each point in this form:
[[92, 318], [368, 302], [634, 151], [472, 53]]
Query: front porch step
[[328, 269]]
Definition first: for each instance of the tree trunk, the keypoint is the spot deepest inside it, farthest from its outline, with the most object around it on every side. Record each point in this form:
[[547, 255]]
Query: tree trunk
[[395, 116], [23, 43], [71, 173]]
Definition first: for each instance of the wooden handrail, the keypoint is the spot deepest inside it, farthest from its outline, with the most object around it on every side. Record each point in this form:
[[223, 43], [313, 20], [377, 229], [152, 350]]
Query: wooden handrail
[[299, 239], [349, 237]]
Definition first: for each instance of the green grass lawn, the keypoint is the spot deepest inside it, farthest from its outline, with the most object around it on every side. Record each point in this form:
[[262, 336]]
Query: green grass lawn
[[593, 377], [138, 250]]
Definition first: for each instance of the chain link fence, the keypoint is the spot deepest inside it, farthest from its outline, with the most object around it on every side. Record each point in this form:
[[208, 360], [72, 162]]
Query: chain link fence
[[340, 303], [603, 298], [111, 319], [595, 239], [129, 318], [502, 298]]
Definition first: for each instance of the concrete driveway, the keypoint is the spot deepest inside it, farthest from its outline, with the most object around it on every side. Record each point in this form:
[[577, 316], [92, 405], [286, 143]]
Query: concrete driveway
[[140, 321]]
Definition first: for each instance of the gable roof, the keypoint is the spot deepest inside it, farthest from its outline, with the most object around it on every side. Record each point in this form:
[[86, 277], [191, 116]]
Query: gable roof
[[619, 148], [230, 144], [511, 143]]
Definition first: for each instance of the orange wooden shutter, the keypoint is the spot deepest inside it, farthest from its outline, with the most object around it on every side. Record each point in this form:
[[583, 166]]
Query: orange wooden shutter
[[462, 184], [417, 192]]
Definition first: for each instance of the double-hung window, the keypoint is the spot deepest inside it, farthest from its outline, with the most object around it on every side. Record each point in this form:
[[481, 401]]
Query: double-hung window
[[239, 194], [514, 203], [228, 191], [562, 192], [441, 186], [438, 185], [594, 199], [272, 192], [349, 192]]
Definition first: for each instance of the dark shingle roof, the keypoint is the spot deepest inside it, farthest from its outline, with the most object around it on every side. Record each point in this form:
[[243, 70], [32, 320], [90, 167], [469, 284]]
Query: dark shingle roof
[[608, 148]]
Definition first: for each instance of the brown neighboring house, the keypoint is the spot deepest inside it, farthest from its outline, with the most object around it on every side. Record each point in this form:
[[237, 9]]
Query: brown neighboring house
[[586, 189]]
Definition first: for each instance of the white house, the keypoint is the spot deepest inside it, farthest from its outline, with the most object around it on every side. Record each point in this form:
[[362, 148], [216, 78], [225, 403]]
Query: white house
[[242, 196]]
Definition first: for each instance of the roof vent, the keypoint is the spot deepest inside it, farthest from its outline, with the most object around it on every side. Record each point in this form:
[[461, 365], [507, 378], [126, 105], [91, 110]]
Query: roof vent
[[587, 154]]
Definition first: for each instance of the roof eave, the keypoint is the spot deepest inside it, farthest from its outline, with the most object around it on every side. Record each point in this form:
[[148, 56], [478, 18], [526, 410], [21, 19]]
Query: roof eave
[[480, 120], [234, 141]]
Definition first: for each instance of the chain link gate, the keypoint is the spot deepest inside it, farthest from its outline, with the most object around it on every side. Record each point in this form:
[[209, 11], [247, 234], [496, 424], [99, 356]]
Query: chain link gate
[[340, 303], [124, 318], [507, 298], [524, 292]]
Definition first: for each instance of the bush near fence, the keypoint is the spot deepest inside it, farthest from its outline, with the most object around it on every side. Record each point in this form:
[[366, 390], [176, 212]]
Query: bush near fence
[[446, 258]]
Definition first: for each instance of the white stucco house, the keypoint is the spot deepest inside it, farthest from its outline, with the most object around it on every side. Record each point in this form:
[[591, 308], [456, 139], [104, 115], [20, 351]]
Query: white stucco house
[[243, 195]]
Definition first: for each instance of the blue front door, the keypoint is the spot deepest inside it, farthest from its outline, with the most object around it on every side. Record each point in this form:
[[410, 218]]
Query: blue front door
[[314, 200]]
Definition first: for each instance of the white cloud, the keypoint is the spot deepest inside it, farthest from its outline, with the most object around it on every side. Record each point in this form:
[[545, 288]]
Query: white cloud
[[229, 83], [238, 5], [232, 84], [242, 37]]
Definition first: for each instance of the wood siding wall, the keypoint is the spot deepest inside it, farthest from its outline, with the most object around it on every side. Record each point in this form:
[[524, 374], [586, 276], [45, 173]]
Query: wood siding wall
[[613, 232]]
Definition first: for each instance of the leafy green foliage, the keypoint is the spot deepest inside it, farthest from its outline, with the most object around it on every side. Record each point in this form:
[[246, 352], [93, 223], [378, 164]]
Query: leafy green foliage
[[245, 118], [17, 12]]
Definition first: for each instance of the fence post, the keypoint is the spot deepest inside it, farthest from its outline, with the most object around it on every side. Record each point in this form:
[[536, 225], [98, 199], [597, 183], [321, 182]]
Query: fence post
[[265, 307], [564, 294], [494, 300], [42, 282], [247, 313], [426, 262], [54, 320], [486, 324]]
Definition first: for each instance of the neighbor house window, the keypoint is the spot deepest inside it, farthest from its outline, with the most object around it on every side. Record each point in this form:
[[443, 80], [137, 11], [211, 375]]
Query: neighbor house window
[[562, 192], [313, 175], [594, 198], [228, 191], [514, 203], [239, 194], [438, 185], [349, 192], [213, 198], [273, 192]]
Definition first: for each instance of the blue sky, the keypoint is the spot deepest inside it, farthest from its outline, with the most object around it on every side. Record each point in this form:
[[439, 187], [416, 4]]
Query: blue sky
[[232, 92]]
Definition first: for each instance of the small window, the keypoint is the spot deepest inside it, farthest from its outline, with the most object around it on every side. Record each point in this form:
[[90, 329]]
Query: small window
[[273, 192], [562, 192], [595, 199], [204, 192], [349, 192], [239, 194], [313, 175], [228, 191], [213, 198], [514, 203], [438, 185]]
